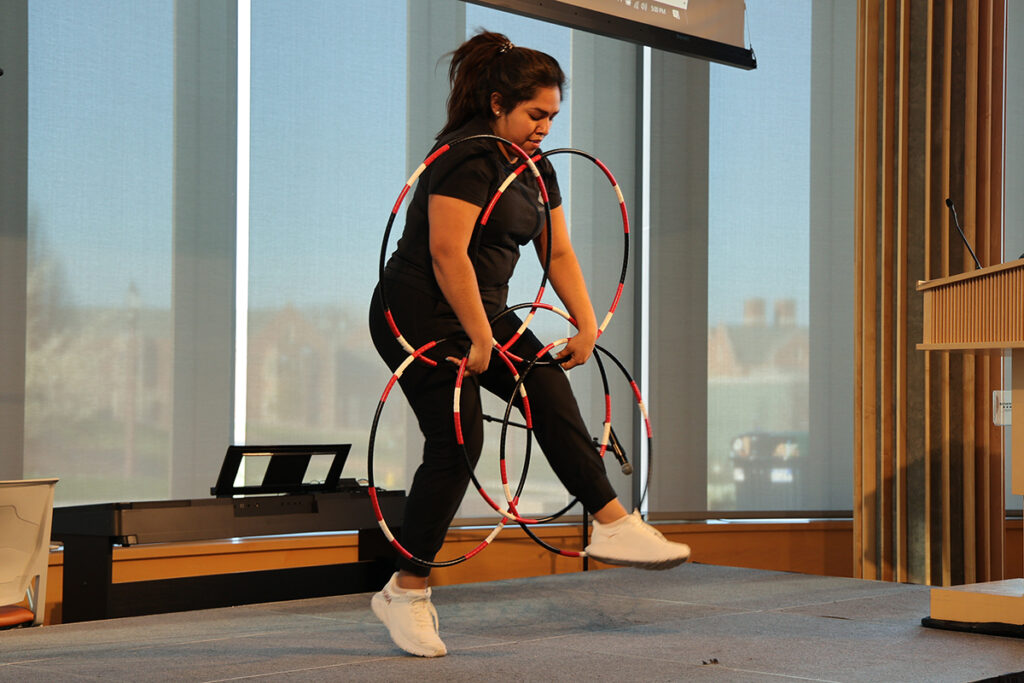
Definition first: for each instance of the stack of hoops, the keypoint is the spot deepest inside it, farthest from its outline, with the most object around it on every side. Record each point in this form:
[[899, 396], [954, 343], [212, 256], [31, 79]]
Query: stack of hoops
[[509, 510]]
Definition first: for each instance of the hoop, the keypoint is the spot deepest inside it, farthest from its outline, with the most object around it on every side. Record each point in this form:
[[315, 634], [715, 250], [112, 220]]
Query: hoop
[[434, 156], [538, 359], [504, 347], [625, 232], [372, 489], [513, 499], [504, 354], [643, 412], [598, 352], [456, 413]]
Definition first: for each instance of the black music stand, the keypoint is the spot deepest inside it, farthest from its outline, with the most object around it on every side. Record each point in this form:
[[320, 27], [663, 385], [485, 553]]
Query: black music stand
[[287, 470], [305, 494]]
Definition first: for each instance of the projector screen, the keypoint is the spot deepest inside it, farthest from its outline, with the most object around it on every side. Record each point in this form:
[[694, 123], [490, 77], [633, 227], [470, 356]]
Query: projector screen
[[707, 29]]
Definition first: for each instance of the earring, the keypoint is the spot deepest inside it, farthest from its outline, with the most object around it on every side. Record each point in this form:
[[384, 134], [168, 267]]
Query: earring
[[497, 112]]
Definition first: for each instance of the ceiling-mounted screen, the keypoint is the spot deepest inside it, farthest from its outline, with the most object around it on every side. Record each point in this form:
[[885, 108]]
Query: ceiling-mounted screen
[[708, 29]]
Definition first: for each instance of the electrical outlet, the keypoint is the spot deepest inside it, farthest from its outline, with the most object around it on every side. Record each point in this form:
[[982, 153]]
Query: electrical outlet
[[1002, 408]]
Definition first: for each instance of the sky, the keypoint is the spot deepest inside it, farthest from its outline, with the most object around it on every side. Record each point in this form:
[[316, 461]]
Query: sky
[[328, 153], [759, 168], [100, 135]]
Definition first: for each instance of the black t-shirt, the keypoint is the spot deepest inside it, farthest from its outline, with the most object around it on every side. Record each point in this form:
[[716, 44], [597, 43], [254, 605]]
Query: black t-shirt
[[473, 171]]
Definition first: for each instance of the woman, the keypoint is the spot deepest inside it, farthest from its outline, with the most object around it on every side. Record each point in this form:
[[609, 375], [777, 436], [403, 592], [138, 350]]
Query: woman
[[448, 279]]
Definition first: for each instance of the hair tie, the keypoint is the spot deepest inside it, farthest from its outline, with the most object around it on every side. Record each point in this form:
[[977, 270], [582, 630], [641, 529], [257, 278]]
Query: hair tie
[[506, 47]]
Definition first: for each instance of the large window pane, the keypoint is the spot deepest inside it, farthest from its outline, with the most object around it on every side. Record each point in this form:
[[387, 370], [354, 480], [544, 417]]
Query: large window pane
[[333, 136], [766, 156], [328, 158], [98, 389], [759, 180]]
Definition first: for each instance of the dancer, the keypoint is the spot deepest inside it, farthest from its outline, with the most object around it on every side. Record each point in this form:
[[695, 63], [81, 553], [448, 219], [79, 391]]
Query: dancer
[[448, 279]]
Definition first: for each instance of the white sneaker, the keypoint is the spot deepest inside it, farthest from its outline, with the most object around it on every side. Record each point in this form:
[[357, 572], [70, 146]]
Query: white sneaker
[[410, 617], [632, 542]]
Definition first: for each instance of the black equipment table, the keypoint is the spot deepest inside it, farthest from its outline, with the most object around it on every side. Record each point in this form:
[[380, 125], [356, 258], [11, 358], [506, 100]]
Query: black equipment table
[[89, 533]]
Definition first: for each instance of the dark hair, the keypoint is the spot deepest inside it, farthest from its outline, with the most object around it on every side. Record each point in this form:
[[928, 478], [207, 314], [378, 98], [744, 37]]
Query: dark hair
[[487, 63]]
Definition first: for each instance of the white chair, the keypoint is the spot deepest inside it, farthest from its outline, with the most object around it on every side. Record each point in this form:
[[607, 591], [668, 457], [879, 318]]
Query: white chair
[[26, 510]]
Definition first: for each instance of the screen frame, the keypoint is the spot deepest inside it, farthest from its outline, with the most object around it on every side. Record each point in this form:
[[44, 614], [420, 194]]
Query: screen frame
[[641, 33]]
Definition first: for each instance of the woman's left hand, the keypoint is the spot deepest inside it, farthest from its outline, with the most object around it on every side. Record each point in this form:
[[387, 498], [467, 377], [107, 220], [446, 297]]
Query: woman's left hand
[[577, 350]]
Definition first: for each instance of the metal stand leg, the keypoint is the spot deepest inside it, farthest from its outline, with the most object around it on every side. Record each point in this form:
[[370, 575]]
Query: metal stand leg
[[586, 539], [87, 578]]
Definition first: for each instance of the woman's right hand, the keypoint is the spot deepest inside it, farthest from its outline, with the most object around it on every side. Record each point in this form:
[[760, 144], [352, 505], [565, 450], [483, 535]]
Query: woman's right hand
[[477, 361]]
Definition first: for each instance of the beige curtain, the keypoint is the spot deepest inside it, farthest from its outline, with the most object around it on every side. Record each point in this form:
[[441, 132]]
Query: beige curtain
[[928, 480]]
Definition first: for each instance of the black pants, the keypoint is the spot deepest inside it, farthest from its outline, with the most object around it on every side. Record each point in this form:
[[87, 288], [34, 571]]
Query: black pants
[[441, 479]]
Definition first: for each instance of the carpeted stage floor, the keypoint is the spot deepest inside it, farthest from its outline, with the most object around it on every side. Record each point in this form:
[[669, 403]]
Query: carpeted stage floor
[[692, 623]]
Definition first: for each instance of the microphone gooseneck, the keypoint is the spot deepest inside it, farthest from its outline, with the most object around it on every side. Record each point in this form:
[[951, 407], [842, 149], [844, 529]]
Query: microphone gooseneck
[[956, 222]]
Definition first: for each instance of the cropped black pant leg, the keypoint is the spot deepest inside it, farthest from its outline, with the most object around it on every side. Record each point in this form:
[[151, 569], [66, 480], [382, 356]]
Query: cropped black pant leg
[[442, 477]]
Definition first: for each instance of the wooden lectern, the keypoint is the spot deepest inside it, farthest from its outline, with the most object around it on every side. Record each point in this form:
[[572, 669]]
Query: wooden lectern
[[982, 310]]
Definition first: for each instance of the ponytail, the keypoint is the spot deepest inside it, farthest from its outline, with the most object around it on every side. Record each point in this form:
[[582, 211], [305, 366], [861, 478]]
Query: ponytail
[[488, 63]]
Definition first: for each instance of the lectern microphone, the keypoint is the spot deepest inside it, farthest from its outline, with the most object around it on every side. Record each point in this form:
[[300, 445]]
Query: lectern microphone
[[956, 222]]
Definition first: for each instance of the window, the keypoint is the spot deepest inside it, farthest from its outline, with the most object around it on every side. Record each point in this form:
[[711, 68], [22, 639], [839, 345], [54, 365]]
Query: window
[[774, 213], [131, 232], [759, 258], [328, 157], [98, 379]]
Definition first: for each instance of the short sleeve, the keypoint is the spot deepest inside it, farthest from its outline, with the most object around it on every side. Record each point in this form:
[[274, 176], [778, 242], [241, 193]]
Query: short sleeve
[[547, 173], [463, 172]]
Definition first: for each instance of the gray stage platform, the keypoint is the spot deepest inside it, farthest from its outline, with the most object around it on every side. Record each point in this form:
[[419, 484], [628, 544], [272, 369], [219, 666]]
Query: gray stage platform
[[692, 623]]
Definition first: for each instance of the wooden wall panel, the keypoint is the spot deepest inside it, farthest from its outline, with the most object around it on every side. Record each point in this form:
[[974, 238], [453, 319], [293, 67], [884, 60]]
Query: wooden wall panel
[[928, 462]]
